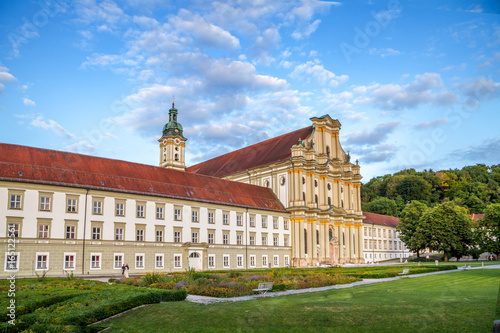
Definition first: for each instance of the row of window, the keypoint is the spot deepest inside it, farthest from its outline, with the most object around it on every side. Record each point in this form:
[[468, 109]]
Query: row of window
[[380, 232], [98, 204], [70, 233], [372, 244], [12, 261]]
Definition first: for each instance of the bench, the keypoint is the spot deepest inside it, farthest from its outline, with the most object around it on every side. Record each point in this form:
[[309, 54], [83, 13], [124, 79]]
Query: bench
[[465, 268], [264, 287], [406, 271]]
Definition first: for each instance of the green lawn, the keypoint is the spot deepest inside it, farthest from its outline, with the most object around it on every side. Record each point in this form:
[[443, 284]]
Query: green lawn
[[451, 302]]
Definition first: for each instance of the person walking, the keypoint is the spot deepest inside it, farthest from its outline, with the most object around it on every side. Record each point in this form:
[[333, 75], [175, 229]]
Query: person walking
[[123, 269], [126, 271]]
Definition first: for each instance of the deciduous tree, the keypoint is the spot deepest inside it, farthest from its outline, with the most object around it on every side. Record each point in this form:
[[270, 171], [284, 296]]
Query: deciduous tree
[[410, 220]]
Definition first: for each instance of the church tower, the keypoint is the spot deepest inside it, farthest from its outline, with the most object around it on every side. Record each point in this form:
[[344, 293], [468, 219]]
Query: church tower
[[172, 143]]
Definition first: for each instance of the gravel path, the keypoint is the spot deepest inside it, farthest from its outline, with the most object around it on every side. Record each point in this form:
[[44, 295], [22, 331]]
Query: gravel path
[[209, 300]]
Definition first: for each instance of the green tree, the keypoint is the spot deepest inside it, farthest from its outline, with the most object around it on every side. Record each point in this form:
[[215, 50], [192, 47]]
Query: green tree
[[490, 226], [409, 187], [382, 206], [446, 228], [410, 220]]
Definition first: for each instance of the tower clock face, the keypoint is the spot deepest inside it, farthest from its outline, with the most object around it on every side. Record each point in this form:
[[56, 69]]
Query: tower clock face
[[177, 141]]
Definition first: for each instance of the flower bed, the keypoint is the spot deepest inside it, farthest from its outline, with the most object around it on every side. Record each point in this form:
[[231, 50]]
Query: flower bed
[[231, 284]]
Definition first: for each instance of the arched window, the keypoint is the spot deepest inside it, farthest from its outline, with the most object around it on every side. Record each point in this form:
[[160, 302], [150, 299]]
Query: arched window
[[266, 183], [282, 180], [303, 180], [304, 196], [316, 198], [317, 237], [342, 203], [329, 201], [176, 157], [330, 233], [327, 151], [329, 186], [194, 255], [315, 183]]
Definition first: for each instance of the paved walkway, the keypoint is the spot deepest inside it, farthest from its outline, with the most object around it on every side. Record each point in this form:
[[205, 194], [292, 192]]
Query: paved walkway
[[210, 300]]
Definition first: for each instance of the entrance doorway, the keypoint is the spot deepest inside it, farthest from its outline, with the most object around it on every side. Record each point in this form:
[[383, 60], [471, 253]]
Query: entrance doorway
[[194, 261]]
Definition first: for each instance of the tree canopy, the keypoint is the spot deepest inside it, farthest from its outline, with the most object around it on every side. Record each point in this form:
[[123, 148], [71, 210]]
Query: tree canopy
[[472, 187]]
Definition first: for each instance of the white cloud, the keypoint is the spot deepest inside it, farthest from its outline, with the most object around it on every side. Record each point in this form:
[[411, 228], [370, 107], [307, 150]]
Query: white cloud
[[5, 77], [384, 52], [315, 70], [51, 125], [28, 102], [480, 88], [372, 136], [431, 124], [427, 88], [306, 31], [106, 15], [204, 31]]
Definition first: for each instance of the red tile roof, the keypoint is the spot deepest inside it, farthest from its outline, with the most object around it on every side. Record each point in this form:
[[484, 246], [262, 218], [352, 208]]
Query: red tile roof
[[389, 221], [259, 154], [477, 216], [42, 166]]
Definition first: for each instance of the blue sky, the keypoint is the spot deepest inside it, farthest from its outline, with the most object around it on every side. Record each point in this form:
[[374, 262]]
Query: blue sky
[[414, 83]]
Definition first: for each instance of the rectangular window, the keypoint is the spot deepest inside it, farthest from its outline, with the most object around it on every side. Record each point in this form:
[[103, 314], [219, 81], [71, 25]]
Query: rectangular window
[[286, 261], [252, 221], [71, 206], [140, 211], [194, 216], [159, 261], [177, 261], [225, 219], [264, 261], [96, 233], [275, 223], [285, 241], [239, 220], [45, 203], [120, 209], [210, 238], [119, 234], [12, 261], [95, 261], [275, 241], [264, 222], [139, 261], [159, 235], [159, 213], [364, 230], [211, 261], [42, 261], [177, 236], [252, 261], [139, 235], [264, 240], [13, 229], [239, 239], [70, 232], [194, 237], [276, 261], [97, 208], [118, 260], [211, 218], [225, 239], [15, 201], [285, 225], [177, 214], [43, 231], [69, 261], [239, 261], [252, 240], [225, 261]]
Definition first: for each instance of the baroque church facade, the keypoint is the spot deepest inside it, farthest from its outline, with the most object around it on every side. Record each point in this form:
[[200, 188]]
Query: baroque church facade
[[293, 200], [315, 180]]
